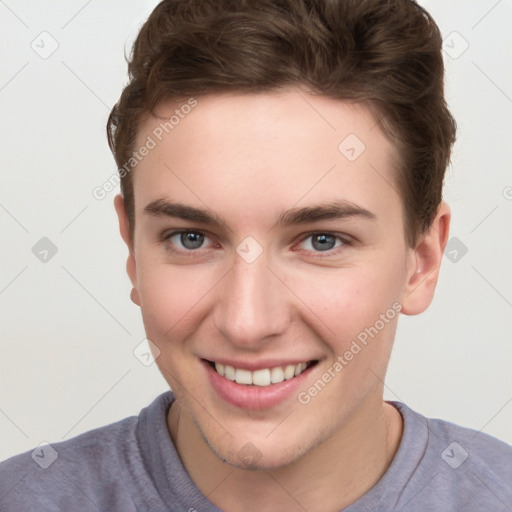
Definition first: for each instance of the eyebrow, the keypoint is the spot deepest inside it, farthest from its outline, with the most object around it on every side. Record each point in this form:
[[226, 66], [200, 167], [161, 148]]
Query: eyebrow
[[340, 209]]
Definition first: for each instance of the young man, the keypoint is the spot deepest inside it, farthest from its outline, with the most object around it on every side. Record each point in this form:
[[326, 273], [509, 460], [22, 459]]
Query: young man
[[282, 164]]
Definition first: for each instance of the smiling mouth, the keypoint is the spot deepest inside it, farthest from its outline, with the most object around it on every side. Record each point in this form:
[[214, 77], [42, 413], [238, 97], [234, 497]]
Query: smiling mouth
[[263, 377]]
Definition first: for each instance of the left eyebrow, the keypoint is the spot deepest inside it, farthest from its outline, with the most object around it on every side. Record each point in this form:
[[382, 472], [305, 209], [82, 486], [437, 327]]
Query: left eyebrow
[[332, 210]]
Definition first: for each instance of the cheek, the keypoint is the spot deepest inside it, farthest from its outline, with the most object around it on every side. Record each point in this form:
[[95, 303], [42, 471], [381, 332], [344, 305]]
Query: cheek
[[346, 302], [348, 296], [171, 297]]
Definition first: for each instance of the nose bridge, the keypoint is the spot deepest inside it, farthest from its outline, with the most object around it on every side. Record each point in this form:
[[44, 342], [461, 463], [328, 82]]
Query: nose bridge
[[252, 304]]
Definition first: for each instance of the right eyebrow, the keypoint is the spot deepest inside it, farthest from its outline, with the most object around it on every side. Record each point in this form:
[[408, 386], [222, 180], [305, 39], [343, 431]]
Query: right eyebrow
[[165, 208]]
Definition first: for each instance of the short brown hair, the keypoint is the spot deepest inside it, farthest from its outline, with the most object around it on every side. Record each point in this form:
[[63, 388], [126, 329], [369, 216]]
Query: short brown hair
[[385, 53]]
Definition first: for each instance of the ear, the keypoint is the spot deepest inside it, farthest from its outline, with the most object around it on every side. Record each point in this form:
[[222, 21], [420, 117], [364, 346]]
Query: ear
[[424, 263], [124, 228]]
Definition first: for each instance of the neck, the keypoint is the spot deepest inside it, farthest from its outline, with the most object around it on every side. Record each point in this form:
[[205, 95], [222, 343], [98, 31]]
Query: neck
[[329, 477]]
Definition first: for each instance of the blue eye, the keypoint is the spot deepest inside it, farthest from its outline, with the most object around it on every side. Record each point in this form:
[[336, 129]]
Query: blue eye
[[189, 240], [323, 242]]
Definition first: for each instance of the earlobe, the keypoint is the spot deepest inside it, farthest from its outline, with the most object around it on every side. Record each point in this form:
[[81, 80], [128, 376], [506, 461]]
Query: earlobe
[[124, 229], [134, 296], [425, 263]]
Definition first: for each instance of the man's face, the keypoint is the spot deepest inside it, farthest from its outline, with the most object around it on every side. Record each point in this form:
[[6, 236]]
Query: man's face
[[256, 294]]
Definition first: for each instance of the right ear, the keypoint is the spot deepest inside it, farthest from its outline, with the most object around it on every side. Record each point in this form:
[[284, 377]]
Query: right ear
[[124, 229]]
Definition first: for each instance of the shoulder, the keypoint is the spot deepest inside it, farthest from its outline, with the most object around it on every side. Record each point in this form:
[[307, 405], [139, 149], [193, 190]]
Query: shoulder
[[67, 468], [483, 452], [88, 472], [482, 446], [470, 469]]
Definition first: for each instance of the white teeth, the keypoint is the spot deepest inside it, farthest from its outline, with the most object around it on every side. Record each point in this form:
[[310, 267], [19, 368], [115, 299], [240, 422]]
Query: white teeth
[[243, 376], [229, 372], [289, 371], [300, 368], [276, 375], [263, 377]]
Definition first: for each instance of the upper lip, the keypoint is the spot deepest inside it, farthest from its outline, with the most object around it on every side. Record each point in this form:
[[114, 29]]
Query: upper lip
[[258, 365]]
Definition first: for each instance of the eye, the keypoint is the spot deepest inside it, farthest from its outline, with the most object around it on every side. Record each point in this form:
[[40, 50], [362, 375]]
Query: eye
[[189, 241], [323, 242], [185, 240]]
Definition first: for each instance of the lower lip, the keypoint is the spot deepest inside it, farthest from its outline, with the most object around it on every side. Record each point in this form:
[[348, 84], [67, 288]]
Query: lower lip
[[255, 398]]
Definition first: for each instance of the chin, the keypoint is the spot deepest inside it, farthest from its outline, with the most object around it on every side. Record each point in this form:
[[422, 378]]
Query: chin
[[261, 454], [259, 462]]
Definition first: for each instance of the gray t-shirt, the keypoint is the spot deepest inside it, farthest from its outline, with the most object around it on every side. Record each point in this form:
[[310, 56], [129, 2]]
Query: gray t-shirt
[[132, 465]]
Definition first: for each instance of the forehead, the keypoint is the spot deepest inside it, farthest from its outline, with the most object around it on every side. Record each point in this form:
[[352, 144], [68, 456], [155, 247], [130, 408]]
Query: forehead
[[262, 150], [275, 116]]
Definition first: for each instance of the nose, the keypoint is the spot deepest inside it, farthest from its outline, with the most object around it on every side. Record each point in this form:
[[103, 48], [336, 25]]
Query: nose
[[251, 308]]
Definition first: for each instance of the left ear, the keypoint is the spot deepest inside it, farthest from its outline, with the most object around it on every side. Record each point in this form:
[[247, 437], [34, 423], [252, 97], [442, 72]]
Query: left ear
[[424, 263]]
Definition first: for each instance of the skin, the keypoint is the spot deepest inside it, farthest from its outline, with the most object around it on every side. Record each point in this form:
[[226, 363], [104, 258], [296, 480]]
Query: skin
[[247, 158]]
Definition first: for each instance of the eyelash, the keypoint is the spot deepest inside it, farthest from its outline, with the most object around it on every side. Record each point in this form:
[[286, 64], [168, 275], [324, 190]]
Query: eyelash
[[345, 241]]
